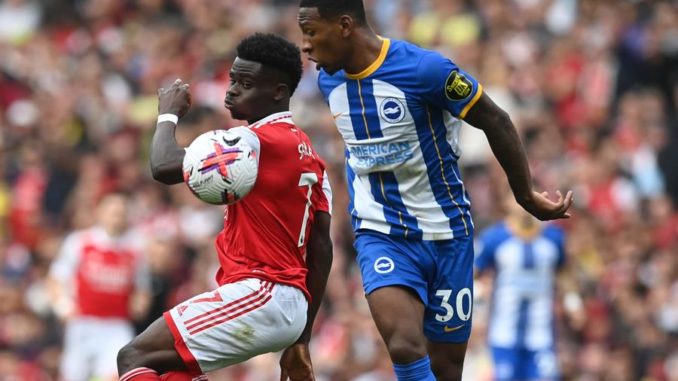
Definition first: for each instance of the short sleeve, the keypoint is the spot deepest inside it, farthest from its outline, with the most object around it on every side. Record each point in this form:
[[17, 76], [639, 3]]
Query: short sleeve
[[447, 86], [486, 247], [557, 236], [66, 263], [323, 195], [142, 277]]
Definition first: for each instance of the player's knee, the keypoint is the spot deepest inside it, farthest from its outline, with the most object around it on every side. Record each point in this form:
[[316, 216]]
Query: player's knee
[[406, 349], [130, 357]]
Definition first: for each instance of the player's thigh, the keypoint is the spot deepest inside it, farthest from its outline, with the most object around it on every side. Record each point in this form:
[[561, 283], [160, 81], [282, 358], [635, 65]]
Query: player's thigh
[[77, 353], [112, 338], [236, 322], [153, 348], [395, 279], [397, 310]]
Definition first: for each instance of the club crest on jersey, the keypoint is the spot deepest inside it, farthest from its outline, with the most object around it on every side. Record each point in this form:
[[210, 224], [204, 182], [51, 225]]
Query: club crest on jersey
[[384, 265], [392, 110], [457, 86]]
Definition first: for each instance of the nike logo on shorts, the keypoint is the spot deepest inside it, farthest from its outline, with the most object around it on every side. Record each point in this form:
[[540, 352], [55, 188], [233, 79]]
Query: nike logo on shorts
[[452, 329]]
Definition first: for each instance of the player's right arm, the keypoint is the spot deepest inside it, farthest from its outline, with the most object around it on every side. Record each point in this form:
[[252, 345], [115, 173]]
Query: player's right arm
[[62, 276], [166, 156]]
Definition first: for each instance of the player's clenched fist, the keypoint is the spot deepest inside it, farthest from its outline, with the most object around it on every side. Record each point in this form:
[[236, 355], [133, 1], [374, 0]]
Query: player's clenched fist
[[175, 99], [295, 364]]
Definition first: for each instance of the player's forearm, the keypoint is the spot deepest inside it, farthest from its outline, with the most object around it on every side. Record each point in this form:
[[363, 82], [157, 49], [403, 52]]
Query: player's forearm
[[139, 304], [508, 150], [62, 305], [166, 156], [505, 144], [316, 281], [319, 262]]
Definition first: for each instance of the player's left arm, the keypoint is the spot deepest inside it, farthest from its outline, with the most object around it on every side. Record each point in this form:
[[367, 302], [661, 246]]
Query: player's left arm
[[453, 90], [140, 301], [319, 262], [295, 362], [508, 149]]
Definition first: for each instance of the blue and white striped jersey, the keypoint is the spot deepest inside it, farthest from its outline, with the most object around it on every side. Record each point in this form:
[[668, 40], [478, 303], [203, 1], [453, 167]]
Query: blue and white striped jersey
[[400, 120], [523, 299]]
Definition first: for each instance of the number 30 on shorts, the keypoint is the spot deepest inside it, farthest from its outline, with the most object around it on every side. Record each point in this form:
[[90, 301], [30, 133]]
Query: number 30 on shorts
[[446, 295]]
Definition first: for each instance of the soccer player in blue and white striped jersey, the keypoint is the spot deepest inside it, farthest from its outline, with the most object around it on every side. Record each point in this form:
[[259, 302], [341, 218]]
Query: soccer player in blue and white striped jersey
[[525, 258], [399, 109]]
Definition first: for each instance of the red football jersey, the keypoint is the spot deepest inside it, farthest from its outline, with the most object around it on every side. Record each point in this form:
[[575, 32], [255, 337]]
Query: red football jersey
[[265, 234], [105, 270]]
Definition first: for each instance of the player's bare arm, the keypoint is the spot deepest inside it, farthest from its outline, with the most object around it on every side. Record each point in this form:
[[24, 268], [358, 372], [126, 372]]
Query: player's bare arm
[[295, 363], [166, 155], [507, 148]]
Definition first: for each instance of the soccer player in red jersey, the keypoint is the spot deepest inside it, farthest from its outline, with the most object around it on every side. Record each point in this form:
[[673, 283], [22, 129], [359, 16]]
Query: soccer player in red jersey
[[98, 283], [275, 250]]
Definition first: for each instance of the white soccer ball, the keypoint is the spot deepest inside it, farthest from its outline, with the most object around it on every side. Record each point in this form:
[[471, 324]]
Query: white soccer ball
[[220, 167]]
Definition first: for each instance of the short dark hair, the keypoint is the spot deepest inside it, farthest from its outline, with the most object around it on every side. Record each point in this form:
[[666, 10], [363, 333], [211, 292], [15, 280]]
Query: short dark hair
[[273, 51], [333, 8]]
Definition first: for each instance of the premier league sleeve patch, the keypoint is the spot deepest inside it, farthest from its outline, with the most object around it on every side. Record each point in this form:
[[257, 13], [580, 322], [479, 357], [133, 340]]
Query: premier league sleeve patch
[[457, 86]]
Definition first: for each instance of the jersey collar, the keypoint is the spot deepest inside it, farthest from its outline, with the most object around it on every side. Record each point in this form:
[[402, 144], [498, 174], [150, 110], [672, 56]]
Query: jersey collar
[[284, 116], [385, 44]]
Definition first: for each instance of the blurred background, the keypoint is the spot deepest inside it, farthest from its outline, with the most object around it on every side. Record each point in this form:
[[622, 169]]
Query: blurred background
[[591, 85]]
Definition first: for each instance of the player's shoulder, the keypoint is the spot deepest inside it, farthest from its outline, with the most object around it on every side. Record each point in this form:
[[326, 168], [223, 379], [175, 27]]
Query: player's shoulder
[[79, 236], [401, 47], [407, 53], [430, 67], [496, 233], [280, 118], [554, 232], [307, 150], [273, 126]]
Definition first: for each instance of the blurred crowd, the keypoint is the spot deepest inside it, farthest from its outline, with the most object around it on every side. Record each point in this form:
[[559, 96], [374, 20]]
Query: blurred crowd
[[591, 85]]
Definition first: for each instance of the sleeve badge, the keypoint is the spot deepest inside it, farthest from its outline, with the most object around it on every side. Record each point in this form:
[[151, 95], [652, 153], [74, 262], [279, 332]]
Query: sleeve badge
[[457, 86]]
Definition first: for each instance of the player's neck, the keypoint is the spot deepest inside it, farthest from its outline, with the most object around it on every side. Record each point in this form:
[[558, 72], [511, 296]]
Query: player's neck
[[366, 49], [273, 110], [112, 232], [522, 228]]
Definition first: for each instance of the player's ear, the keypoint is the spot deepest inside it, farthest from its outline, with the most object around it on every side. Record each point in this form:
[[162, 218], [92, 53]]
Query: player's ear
[[282, 91], [346, 25]]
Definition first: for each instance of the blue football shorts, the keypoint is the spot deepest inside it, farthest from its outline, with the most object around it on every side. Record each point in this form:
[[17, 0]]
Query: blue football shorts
[[440, 272], [522, 364]]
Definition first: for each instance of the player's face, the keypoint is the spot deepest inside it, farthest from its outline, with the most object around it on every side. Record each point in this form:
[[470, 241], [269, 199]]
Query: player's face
[[112, 213], [324, 40], [250, 92]]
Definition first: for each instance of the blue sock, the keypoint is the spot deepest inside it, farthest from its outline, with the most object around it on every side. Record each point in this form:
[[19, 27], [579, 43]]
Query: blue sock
[[419, 370]]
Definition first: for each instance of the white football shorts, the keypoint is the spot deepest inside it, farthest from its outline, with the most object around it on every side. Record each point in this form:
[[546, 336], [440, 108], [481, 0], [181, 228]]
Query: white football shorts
[[236, 322], [91, 347]]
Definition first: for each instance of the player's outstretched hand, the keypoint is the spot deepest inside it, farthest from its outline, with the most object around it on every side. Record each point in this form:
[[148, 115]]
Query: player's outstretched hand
[[542, 207], [175, 99], [295, 364]]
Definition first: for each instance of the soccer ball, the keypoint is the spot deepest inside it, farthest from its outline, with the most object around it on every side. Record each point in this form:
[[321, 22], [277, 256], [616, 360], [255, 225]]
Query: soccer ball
[[220, 167]]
